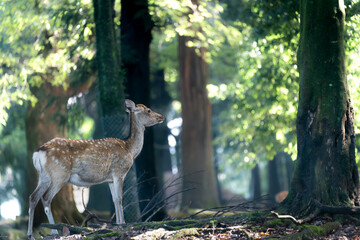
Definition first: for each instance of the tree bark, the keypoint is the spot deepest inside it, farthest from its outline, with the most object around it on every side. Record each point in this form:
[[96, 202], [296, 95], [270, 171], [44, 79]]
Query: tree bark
[[136, 26], [111, 92], [196, 136], [325, 169], [111, 89]]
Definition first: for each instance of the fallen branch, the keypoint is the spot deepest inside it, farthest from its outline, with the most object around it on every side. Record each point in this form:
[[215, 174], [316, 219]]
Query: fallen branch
[[60, 227], [233, 208]]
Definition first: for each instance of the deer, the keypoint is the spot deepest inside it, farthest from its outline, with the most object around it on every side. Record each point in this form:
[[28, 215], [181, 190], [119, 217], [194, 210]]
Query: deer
[[88, 162]]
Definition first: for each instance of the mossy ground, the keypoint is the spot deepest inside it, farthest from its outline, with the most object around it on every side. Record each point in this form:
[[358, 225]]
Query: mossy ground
[[246, 225]]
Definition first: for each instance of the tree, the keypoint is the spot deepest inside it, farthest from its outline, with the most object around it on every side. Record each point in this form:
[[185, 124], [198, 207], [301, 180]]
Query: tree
[[136, 26], [255, 185], [257, 77], [196, 136], [325, 169], [56, 71], [111, 91]]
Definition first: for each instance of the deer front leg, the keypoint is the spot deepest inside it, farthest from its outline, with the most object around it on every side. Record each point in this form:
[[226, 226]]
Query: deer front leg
[[116, 188]]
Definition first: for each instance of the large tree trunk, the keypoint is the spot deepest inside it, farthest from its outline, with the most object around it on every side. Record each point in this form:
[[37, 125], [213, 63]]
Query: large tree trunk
[[46, 120], [136, 26], [196, 135], [325, 169]]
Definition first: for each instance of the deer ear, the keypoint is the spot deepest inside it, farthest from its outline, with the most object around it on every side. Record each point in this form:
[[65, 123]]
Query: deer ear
[[129, 105]]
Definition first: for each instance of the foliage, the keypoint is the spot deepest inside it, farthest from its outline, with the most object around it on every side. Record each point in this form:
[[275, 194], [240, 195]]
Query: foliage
[[39, 41], [254, 79], [40, 37], [13, 156], [258, 85], [262, 96], [80, 125]]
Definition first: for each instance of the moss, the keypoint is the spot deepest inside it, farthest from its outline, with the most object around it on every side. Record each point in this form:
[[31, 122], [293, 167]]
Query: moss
[[185, 232], [278, 222], [313, 232]]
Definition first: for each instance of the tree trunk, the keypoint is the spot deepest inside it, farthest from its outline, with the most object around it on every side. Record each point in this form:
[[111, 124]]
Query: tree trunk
[[162, 103], [325, 169], [273, 178], [136, 26], [111, 92], [196, 136], [46, 120], [255, 187]]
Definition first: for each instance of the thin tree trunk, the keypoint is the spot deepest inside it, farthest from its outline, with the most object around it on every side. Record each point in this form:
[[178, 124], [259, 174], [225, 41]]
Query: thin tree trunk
[[196, 136], [161, 102], [255, 187], [325, 169], [273, 178]]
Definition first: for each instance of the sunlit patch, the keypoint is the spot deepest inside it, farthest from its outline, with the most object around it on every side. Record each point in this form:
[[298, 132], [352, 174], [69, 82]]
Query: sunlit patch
[[10, 209], [81, 197]]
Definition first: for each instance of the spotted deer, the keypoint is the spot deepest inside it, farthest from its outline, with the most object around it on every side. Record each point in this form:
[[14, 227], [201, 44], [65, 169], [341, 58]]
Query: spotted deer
[[90, 162]]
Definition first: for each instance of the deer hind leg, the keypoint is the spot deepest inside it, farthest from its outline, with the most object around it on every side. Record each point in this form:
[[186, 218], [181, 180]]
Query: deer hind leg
[[34, 198], [47, 199], [116, 188]]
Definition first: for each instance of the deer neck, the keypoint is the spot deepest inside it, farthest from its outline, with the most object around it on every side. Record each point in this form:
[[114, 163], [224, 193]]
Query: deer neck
[[135, 140]]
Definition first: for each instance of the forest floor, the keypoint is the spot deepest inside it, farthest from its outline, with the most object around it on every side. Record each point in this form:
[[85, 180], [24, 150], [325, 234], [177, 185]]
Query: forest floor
[[251, 225]]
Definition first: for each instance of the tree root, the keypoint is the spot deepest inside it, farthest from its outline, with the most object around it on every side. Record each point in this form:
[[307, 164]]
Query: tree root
[[297, 221], [321, 209]]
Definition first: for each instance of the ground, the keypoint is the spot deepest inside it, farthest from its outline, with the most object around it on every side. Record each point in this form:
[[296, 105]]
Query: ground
[[254, 225]]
